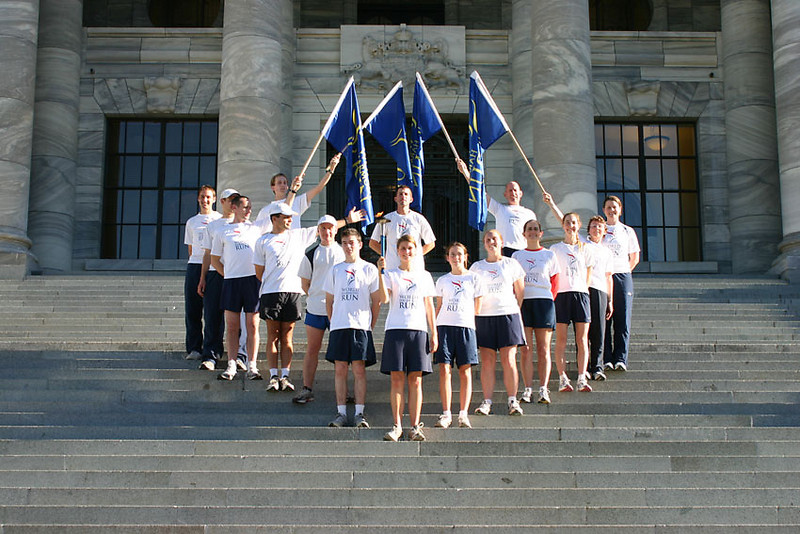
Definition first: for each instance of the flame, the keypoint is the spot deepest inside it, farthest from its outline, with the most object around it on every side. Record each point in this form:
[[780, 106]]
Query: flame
[[379, 214]]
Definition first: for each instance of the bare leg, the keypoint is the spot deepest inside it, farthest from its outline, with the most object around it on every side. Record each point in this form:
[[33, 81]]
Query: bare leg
[[287, 346], [582, 341], [252, 336], [445, 386], [487, 371], [273, 333], [232, 338], [526, 358], [465, 386], [396, 395], [360, 382], [314, 338], [340, 382], [414, 397], [561, 347], [543, 336], [508, 360]]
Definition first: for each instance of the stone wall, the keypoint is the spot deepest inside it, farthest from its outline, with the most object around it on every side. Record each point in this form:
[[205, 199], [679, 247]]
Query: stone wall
[[685, 15]]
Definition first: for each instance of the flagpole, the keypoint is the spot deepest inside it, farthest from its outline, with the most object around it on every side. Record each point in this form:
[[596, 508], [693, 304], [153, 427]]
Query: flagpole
[[525, 158], [438, 117]]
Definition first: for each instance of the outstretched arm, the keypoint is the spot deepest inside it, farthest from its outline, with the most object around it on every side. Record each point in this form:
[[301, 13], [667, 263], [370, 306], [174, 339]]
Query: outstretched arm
[[317, 189], [548, 199]]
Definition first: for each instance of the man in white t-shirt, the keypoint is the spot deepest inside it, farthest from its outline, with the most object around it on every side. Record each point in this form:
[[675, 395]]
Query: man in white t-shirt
[[195, 236], [282, 250], [315, 267], [401, 222], [352, 303], [624, 245], [299, 203]]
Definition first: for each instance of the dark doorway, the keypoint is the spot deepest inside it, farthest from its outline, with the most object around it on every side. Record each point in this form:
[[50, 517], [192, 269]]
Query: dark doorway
[[444, 202]]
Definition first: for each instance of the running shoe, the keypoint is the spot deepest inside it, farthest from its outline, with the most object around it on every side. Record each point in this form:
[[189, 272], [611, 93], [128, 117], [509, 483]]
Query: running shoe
[[544, 395], [599, 375], [253, 374], [620, 367], [563, 385], [208, 365], [305, 395], [394, 434], [485, 408], [339, 421], [273, 385], [514, 408], [360, 421], [194, 355], [608, 366], [416, 433], [241, 362], [227, 374], [526, 395], [444, 421], [583, 385], [285, 384], [463, 421]]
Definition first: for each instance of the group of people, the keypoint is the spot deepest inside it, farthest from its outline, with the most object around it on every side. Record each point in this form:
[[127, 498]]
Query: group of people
[[515, 297]]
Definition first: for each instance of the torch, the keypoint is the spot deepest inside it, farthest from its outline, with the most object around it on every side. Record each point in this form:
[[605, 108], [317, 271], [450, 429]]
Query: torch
[[380, 219]]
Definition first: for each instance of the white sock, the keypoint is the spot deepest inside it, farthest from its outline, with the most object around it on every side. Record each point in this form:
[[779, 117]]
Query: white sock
[[462, 413], [512, 398], [488, 401], [447, 413], [284, 372], [253, 367], [342, 408], [360, 409], [273, 371], [528, 390], [232, 366]]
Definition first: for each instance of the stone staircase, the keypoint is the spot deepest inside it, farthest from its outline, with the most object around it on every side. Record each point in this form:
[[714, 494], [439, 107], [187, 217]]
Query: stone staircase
[[105, 427]]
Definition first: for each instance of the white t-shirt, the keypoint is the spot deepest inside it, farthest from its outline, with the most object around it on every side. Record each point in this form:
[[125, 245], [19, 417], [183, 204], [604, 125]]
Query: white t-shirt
[[235, 243], [510, 221], [351, 286], [196, 234], [573, 261], [458, 294], [280, 255], [602, 266], [413, 224], [299, 205], [213, 230], [498, 280], [621, 240], [324, 259], [539, 266], [408, 290]]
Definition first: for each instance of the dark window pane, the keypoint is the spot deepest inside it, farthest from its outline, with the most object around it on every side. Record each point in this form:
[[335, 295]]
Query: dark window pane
[[173, 137], [655, 244], [169, 242], [152, 137], [170, 212], [613, 174], [672, 209], [601, 174], [147, 241], [669, 168], [613, 140], [121, 136], [130, 208], [690, 244], [190, 171], [133, 171], [600, 197], [208, 170], [134, 138], [598, 140], [632, 209], [671, 244], [172, 171], [631, 171], [149, 208], [208, 138], [688, 179], [652, 140], [118, 217], [655, 212], [689, 210], [191, 137], [686, 141], [653, 170], [129, 242], [630, 140], [150, 171], [116, 171], [669, 140], [188, 205]]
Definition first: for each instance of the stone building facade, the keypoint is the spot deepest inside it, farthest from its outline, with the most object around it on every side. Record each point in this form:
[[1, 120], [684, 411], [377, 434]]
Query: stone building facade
[[113, 111]]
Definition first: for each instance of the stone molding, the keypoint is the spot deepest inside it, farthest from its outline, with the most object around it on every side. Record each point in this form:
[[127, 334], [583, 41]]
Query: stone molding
[[643, 98], [161, 94]]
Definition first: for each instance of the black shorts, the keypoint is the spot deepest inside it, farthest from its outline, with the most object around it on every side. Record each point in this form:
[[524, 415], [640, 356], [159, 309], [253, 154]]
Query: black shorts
[[240, 294], [406, 351], [573, 306], [283, 307], [498, 331], [457, 346], [538, 313], [351, 345]]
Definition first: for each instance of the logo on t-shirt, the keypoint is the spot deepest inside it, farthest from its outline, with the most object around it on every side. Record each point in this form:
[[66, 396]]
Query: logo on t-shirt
[[493, 273], [458, 287], [351, 276], [410, 285]]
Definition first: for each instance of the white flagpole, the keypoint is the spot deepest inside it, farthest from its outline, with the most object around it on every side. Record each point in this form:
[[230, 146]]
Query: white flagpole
[[327, 125], [438, 117]]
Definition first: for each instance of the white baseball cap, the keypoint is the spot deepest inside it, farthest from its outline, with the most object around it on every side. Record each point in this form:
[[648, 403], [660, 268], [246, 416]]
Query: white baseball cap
[[280, 208], [326, 219], [228, 193]]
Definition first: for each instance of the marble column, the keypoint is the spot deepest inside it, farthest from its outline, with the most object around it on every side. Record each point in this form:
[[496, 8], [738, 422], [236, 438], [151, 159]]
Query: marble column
[[563, 109], [755, 223], [522, 81], [18, 35], [786, 56], [55, 134], [251, 93]]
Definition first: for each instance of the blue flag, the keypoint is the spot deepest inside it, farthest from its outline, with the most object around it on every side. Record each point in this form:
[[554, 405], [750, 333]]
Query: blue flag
[[486, 125], [343, 131], [425, 122], [388, 125]]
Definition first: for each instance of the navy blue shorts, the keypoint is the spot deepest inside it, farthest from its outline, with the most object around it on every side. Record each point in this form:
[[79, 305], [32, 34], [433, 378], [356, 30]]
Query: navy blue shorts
[[240, 294], [406, 351], [573, 306], [457, 346], [283, 307], [538, 313], [320, 322], [351, 345], [498, 331]]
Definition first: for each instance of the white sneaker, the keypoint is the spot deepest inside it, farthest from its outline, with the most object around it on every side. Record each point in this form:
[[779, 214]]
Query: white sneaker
[[444, 421], [463, 421], [620, 367], [394, 434], [416, 433], [285, 385], [485, 408], [359, 421], [514, 408], [544, 395], [564, 385], [583, 385], [526, 395]]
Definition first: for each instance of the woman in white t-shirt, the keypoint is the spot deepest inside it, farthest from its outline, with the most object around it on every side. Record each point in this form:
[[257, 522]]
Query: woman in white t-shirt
[[406, 344], [572, 300], [459, 299], [498, 325], [538, 310]]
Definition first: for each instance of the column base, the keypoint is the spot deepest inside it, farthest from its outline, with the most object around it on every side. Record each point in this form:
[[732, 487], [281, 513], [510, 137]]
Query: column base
[[16, 260], [787, 265]]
